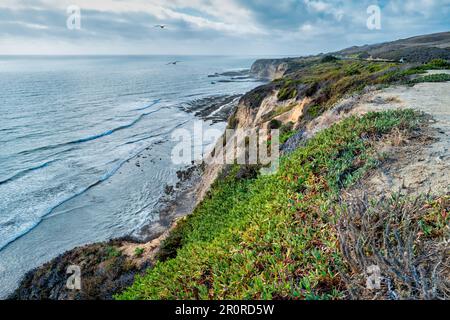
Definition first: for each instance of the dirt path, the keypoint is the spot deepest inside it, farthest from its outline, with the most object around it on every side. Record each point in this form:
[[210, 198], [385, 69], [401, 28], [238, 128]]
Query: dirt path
[[423, 164]]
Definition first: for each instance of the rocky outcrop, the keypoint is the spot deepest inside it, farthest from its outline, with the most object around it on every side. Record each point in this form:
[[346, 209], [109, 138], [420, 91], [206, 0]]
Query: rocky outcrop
[[105, 271], [269, 68]]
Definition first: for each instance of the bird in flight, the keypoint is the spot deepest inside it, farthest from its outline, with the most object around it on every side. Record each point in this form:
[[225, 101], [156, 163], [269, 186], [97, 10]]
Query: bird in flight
[[162, 26], [174, 63]]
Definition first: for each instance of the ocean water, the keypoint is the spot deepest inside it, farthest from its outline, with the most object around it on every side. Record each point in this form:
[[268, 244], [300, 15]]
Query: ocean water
[[85, 146]]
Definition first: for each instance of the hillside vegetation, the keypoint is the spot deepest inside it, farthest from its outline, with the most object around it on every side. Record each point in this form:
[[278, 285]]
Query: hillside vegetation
[[273, 236], [280, 236]]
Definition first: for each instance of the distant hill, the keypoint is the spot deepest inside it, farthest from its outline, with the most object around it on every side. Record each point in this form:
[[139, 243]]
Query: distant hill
[[418, 49]]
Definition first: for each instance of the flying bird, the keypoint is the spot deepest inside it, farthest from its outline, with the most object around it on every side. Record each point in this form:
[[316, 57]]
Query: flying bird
[[174, 63], [162, 26]]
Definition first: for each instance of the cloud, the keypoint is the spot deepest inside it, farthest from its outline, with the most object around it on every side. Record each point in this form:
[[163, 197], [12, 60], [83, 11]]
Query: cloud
[[211, 26]]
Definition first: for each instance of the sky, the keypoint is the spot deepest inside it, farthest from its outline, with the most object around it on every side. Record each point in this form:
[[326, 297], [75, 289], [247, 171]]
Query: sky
[[210, 27]]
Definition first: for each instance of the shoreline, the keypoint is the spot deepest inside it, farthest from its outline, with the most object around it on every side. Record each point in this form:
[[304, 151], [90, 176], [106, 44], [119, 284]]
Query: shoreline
[[119, 254], [178, 201], [357, 136]]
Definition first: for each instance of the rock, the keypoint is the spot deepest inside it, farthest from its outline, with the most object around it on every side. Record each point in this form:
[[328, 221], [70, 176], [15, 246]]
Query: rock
[[104, 272]]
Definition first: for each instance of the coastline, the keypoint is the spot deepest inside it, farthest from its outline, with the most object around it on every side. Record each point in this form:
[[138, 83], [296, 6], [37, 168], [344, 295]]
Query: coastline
[[119, 254], [113, 263], [388, 113]]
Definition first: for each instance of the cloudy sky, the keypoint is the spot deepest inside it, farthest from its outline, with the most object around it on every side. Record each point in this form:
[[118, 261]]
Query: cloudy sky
[[250, 27]]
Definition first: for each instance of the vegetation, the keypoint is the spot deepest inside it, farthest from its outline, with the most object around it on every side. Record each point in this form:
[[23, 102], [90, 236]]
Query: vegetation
[[437, 64], [314, 111], [286, 131], [271, 236], [441, 77], [113, 252], [275, 124], [329, 80], [138, 252], [287, 93], [266, 237], [326, 83], [406, 238], [329, 58]]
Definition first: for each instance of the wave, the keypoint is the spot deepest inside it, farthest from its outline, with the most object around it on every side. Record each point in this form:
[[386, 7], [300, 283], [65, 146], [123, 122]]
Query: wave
[[90, 138], [232, 102], [155, 135], [105, 177], [155, 102], [26, 171], [134, 93], [102, 179]]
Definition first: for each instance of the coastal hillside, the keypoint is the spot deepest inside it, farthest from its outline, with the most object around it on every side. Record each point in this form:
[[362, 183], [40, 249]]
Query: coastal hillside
[[309, 231], [419, 49], [363, 181]]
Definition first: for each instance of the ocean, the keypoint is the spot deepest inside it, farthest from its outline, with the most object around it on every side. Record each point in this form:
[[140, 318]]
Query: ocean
[[85, 145]]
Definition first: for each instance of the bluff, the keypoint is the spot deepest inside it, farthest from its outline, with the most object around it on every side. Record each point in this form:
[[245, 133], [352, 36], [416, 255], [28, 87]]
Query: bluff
[[290, 235]]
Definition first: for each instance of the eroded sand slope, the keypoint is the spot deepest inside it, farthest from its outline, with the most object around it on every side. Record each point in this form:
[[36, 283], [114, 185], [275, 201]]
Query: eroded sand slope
[[425, 166]]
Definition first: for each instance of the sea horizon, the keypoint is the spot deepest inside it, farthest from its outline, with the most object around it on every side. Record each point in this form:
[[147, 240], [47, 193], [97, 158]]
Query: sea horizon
[[130, 117]]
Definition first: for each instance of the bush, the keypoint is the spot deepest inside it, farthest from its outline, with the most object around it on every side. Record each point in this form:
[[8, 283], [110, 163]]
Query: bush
[[286, 131], [364, 55], [275, 124], [438, 64], [138, 252], [287, 93], [113, 252], [329, 58], [314, 111], [441, 77], [403, 236]]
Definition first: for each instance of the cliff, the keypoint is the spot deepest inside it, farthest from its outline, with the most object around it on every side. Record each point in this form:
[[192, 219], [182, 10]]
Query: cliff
[[349, 127]]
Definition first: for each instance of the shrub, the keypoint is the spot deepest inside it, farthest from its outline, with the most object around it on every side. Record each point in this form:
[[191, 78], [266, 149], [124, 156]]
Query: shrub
[[138, 252], [287, 93], [275, 124], [364, 55], [329, 58], [315, 111], [441, 77], [438, 64], [113, 252], [404, 236]]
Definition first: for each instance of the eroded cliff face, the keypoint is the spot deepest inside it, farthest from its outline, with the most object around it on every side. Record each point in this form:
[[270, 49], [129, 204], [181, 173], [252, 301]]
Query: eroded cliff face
[[269, 68], [256, 110], [249, 114]]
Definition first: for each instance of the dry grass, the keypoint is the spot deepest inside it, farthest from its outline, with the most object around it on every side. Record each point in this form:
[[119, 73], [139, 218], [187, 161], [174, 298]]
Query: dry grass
[[393, 100], [398, 137], [406, 237]]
